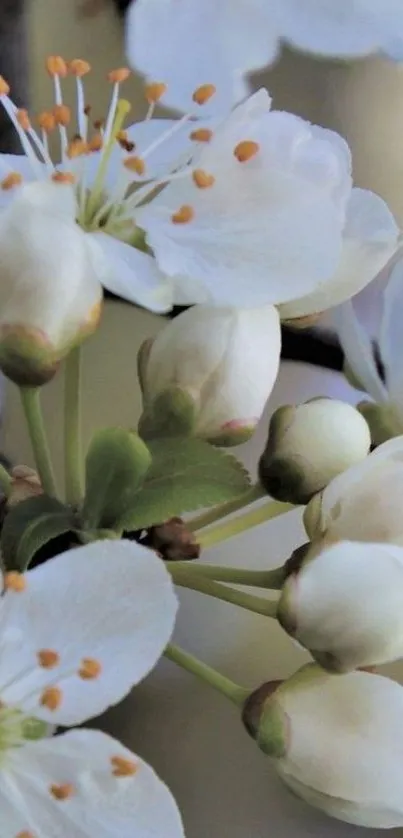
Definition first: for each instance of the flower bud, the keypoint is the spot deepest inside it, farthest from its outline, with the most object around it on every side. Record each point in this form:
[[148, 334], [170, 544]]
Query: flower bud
[[344, 604], [49, 296], [342, 752], [211, 371], [308, 445], [382, 420]]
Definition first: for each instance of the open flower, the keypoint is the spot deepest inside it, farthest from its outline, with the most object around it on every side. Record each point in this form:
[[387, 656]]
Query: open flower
[[344, 604], [181, 42], [337, 743], [64, 659], [255, 209]]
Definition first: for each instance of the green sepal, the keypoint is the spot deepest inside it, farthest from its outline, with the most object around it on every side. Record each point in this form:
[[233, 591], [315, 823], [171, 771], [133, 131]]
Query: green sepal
[[29, 526], [171, 414]]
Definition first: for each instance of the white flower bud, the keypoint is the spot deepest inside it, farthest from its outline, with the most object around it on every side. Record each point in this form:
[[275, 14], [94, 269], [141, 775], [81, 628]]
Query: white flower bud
[[310, 444], [223, 361], [344, 746], [344, 604]]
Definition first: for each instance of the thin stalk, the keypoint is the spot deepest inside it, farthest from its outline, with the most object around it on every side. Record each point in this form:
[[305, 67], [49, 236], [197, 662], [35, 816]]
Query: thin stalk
[[72, 428], [30, 398], [244, 522], [212, 515], [271, 579], [219, 682], [185, 579]]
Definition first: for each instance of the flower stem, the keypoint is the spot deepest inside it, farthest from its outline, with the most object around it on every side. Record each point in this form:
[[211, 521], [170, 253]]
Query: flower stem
[[212, 515], [225, 686], [72, 428], [183, 577], [271, 579], [30, 397], [244, 522]]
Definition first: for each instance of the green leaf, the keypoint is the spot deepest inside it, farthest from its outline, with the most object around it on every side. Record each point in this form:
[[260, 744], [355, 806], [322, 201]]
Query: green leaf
[[171, 414], [185, 474], [29, 526], [116, 463]]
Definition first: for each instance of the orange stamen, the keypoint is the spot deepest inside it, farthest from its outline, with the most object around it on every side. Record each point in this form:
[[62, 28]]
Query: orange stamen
[[202, 179], [245, 150], [51, 698], [10, 181], [4, 87], [25, 834], [201, 135], [56, 65], [183, 215], [47, 121], [89, 669], [48, 658], [155, 91], [78, 67], [96, 143], [119, 75], [23, 119], [14, 581], [63, 177], [62, 115], [203, 93], [76, 148], [62, 792], [122, 767], [135, 164]]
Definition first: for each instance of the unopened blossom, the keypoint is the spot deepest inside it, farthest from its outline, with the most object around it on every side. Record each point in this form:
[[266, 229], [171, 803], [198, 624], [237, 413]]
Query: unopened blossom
[[337, 742], [183, 42], [224, 360], [76, 634], [344, 604], [310, 444], [364, 503]]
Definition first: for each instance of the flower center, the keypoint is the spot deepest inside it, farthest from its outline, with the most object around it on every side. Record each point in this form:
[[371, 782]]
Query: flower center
[[16, 728]]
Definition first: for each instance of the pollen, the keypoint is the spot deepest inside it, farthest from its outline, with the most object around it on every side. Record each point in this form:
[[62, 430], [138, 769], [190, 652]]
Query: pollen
[[183, 215], [78, 67], [62, 115], [47, 121], [202, 179], [14, 581], [122, 767], [119, 75], [77, 148], [201, 135], [245, 150], [23, 119], [48, 658], [135, 164], [4, 87], [155, 91], [51, 698], [63, 177], [89, 669], [203, 93], [56, 65], [10, 181], [96, 143], [62, 792]]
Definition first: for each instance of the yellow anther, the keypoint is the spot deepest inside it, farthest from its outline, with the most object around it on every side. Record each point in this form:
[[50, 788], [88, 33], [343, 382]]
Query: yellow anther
[[10, 181], [47, 121], [61, 792], [87, 109], [202, 179], [183, 215], [201, 135], [89, 669], [155, 91], [122, 136], [76, 148], [119, 75], [135, 164], [51, 698], [25, 834], [14, 581], [23, 119], [78, 67], [122, 767], [203, 93], [98, 124], [245, 150], [95, 143], [56, 65], [63, 177], [62, 115], [48, 658], [4, 87]]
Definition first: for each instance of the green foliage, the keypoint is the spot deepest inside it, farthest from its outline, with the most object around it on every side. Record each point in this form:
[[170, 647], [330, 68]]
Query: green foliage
[[29, 526]]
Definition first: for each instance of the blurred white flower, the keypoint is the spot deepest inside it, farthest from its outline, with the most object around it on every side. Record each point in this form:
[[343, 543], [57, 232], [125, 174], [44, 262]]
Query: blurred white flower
[[225, 360], [189, 43], [344, 604], [343, 744], [63, 660]]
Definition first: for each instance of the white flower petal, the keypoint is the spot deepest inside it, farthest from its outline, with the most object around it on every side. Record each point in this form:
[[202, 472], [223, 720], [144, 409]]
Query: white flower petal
[[121, 612], [343, 28], [391, 334], [129, 273], [189, 44], [15, 163], [370, 239], [358, 351], [101, 804], [267, 230]]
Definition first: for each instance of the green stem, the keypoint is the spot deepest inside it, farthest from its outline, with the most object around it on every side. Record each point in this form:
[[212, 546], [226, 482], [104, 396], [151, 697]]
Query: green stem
[[225, 686], [185, 579], [244, 522], [30, 397], [212, 515], [271, 579], [5, 481], [72, 428]]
